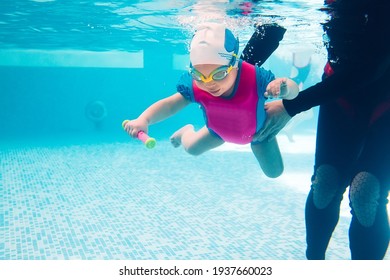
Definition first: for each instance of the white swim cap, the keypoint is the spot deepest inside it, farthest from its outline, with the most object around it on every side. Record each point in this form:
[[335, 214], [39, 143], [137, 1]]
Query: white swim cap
[[213, 43]]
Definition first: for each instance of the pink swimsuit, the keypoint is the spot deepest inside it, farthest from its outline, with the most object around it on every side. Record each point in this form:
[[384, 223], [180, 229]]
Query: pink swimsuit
[[237, 118]]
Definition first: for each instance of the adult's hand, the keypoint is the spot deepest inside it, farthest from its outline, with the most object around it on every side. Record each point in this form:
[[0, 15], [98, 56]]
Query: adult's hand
[[277, 118]]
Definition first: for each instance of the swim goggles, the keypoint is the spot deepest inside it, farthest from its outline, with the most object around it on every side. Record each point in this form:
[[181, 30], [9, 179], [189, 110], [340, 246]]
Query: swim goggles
[[216, 75]]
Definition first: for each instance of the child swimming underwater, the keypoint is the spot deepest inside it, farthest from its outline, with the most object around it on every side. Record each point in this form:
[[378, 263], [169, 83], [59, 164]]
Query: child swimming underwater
[[231, 93]]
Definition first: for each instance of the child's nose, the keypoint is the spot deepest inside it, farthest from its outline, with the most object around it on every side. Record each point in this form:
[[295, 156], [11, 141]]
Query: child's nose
[[211, 84]]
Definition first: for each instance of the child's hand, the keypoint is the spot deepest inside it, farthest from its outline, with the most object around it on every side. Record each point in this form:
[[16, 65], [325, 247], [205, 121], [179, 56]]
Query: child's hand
[[134, 126], [277, 88]]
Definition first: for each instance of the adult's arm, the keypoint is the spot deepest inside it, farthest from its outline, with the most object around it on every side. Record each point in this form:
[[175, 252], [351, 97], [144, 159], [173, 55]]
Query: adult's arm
[[345, 83]]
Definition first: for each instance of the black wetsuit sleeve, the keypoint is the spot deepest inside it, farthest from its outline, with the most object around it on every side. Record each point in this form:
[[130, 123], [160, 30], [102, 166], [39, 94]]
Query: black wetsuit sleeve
[[341, 84]]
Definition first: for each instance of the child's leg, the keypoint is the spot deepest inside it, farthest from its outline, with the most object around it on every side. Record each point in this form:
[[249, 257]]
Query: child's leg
[[195, 142], [269, 157]]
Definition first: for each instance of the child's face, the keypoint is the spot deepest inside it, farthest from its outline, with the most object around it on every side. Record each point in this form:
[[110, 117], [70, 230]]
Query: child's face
[[216, 88]]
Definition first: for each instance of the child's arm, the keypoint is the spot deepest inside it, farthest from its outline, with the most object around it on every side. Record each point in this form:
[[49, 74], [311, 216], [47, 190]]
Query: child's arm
[[283, 88], [158, 111]]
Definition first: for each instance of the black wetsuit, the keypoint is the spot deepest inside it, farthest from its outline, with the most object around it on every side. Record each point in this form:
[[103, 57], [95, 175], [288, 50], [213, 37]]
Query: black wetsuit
[[353, 133]]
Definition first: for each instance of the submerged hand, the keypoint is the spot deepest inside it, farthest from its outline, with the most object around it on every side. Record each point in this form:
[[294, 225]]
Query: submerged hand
[[132, 127], [277, 118], [277, 88]]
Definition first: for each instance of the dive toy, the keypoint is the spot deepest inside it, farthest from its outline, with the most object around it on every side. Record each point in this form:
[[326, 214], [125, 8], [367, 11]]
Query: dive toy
[[149, 142]]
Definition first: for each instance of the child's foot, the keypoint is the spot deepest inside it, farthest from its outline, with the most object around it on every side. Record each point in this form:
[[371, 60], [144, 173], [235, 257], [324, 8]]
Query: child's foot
[[176, 137]]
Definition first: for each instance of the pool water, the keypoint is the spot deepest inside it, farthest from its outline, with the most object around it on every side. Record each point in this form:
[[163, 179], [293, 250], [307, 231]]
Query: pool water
[[75, 186]]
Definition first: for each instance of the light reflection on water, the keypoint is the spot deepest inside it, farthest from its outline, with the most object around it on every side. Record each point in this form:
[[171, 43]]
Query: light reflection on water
[[127, 25]]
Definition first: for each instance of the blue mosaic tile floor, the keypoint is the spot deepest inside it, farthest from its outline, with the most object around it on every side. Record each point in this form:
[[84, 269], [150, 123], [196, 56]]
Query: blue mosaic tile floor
[[121, 201]]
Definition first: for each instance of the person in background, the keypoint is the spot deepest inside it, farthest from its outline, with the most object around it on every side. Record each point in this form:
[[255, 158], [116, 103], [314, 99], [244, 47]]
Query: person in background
[[299, 73], [231, 93], [353, 133]]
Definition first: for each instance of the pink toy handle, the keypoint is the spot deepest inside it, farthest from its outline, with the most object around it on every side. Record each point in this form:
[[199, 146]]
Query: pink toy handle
[[148, 141], [141, 135]]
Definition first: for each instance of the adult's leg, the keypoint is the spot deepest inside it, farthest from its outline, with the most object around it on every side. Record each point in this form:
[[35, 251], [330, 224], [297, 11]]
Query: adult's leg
[[369, 231], [337, 147], [195, 142], [263, 42], [269, 157]]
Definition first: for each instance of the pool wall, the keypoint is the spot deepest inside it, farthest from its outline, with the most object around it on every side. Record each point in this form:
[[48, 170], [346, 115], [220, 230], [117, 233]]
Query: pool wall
[[47, 93]]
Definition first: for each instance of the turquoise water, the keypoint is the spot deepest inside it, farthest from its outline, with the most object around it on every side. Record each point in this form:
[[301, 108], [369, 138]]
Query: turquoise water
[[121, 201], [59, 57], [75, 186]]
